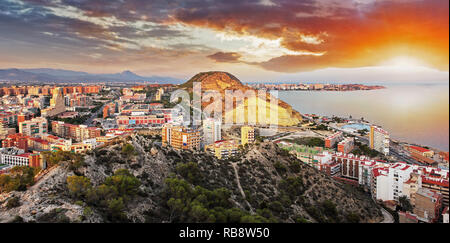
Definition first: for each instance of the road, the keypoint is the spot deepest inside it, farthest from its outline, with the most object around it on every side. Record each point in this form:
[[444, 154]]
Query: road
[[94, 115], [388, 218]]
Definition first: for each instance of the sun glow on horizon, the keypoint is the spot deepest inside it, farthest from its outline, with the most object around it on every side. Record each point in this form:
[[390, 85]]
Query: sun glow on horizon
[[404, 63]]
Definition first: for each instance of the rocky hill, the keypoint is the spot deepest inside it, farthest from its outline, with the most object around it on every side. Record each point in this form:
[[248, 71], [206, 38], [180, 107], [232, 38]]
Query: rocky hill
[[221, 81], [139, 181]]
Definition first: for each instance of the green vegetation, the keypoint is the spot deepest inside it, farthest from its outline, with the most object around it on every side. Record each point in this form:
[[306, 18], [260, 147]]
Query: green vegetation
[[128, 150], [12, 203], [19, 178], [320, 127], [111, 197], [78, 120], [363, 149], [363, 132], [78, 185], [308, 141], [280, 167], [189, 171], [405, 204], [197, 204], [54, 158]]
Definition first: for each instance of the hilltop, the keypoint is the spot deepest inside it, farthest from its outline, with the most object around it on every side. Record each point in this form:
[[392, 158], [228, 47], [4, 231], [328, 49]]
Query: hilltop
[[221, 81], [139, 181]]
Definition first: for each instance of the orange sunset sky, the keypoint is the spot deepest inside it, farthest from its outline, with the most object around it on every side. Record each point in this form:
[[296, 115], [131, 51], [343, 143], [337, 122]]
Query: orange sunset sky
[[257, 40]]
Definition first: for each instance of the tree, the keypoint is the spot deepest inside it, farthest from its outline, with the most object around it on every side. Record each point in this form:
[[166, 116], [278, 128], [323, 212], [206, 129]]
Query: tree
[[116, 209], [128, 150], [124, 183], [189, 171], [78, 185], [405, 204]]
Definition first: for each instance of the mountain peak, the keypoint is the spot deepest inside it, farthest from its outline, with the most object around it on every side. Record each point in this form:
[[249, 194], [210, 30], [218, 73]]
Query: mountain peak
[[217, 80], [127, 72]]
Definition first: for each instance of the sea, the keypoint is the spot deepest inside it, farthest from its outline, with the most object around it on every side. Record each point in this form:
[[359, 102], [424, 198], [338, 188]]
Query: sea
[[413, 113]]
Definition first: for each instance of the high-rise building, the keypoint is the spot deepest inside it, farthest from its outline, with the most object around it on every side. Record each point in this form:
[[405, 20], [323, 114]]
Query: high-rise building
[[379, 140], [180, 137], [247, 135], [212, 131], [56, 104], [34, 127]]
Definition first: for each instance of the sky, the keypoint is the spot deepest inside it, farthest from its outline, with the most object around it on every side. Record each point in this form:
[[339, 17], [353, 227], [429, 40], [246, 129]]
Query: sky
[[256, 40]]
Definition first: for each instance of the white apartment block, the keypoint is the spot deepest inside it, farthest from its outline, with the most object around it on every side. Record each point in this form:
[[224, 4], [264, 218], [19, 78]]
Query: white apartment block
[[388, 181], [212, 131], [379, 140]]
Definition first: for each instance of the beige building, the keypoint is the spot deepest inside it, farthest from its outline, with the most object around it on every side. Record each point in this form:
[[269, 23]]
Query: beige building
[[35, 127], [180, 137], [247, 135], [428, 205], [223, 149], [57, 104]]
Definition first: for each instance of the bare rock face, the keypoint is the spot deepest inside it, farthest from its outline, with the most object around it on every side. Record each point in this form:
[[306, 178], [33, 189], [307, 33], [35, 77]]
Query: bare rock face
[[221, 81], [43, 202], [153, 151]]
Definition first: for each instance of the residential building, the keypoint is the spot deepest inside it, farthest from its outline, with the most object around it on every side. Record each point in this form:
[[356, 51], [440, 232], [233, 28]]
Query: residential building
[[57, 104], [247, 135], [34, 127], [75, 132], [212, 131], [346, 146], [379, 140], [330, 141], [18, 157], [16, 140], [428, 205], [422, 151], [223, 149], [388, 182], [180, 137]]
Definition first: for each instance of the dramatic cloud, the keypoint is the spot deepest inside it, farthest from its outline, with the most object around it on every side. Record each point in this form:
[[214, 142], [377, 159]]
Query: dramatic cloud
[[225, 56], [275, 35]]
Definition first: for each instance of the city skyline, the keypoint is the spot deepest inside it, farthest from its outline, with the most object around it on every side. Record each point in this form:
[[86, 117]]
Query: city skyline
[[397, 41]]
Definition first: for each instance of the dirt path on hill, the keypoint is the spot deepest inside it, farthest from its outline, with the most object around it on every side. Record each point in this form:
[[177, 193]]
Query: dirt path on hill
[[239, 186]]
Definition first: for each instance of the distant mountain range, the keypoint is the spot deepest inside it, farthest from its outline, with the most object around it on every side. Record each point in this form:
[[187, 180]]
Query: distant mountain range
[[60, 75]]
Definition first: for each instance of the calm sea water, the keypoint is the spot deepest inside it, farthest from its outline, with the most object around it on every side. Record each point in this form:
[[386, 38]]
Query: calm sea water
[[412, 113]]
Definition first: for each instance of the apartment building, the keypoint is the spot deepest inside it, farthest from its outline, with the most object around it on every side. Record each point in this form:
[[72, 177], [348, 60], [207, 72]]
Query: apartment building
[[180, 137], [388, 182], [379, 140], [34, 127], [75, 132], [346, 146], [247, 135], [223, 149], [330, 141], [212, 131], [18, 157], [428, 205]]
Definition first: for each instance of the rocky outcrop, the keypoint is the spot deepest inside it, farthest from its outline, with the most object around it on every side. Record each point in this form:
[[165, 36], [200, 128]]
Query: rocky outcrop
[[269, 178], [221, 81]]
